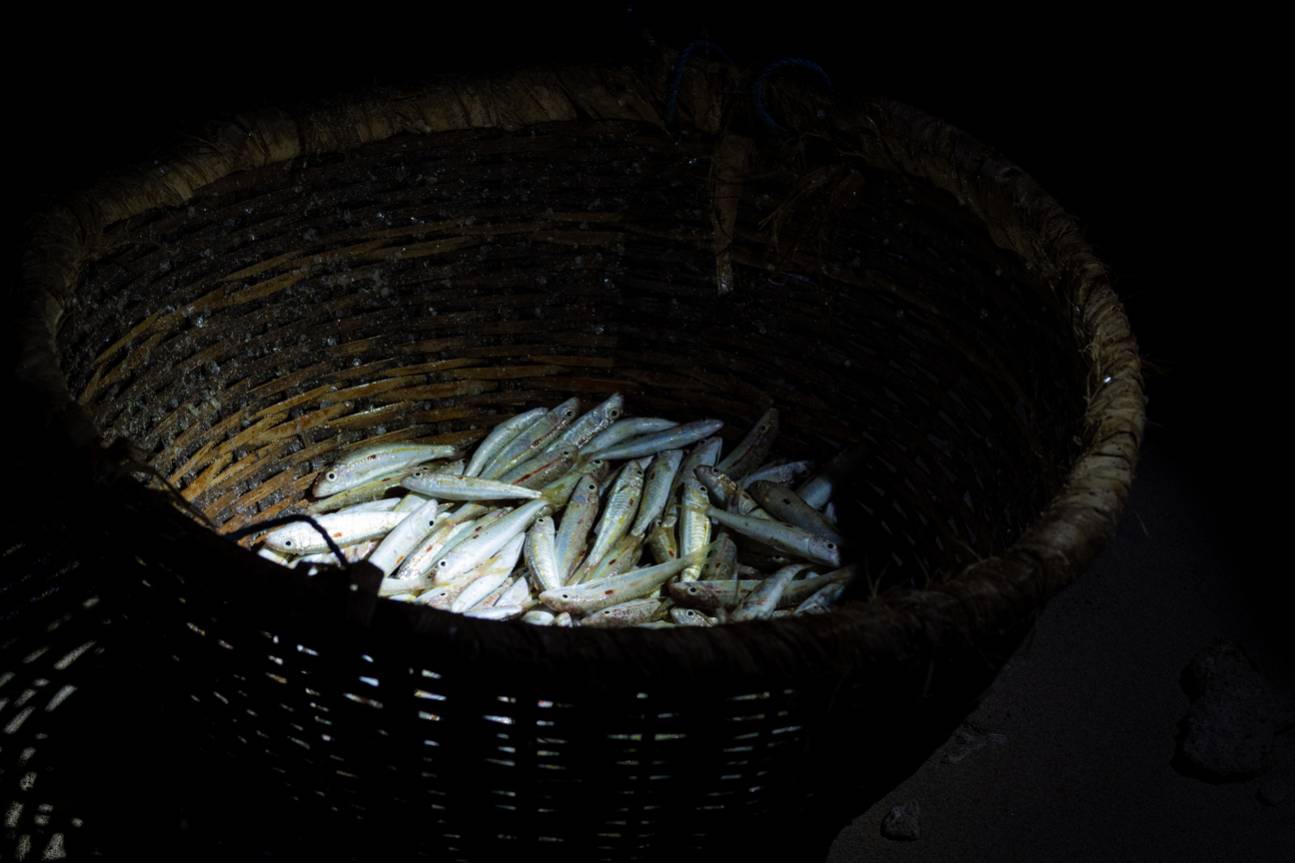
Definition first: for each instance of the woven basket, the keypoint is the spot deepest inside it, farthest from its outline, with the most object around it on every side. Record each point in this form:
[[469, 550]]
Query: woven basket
[[424, 264]]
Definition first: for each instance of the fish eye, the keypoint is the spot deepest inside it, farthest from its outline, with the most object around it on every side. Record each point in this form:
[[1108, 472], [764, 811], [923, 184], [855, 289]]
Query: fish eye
[[568, 412], [332, 474], [443, 564], [831, 545], [287, 542], [592, 487], [613, 413], [564, 596]]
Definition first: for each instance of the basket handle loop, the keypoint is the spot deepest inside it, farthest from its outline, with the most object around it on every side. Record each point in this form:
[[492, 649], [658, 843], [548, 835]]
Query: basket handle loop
[[761, 79]]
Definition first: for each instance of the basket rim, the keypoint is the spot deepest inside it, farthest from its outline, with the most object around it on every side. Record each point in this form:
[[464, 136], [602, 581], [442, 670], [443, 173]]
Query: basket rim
[[982, 600]]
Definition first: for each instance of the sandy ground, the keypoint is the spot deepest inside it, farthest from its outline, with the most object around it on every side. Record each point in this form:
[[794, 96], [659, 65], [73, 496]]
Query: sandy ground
[[1067, 758]]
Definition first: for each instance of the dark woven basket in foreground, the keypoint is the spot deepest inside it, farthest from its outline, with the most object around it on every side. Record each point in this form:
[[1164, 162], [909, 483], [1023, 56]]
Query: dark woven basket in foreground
[[425, 264]]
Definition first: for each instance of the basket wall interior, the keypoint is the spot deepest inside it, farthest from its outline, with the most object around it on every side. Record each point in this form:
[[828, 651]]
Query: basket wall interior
[[430, 286], [427, 287]]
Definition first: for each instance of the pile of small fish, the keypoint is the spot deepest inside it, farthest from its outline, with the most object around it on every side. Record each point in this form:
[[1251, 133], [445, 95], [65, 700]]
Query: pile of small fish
[[548, 520]]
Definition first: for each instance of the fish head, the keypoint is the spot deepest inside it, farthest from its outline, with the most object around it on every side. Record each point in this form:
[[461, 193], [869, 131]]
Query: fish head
[[331, 481], [291, 538]]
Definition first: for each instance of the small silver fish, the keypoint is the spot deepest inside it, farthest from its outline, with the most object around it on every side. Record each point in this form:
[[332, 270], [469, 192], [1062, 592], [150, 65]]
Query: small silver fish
[[450, 528], [533, 440], [762, 601], [783, 537], [807, 584], [618, 514], [344, 528], [652, 444], [371, 462], [415, 572], [500, 437], [754, 448], [395, 546], [472, 551], [704, 454], [728, 494], [446, 487], [711, 595], [624, 614], [543, 469], [785, 505], [583, 430], [822, 600], [541, 555], [694, 526], [783, 473], [596, 595], [626, 429], [352, 553], [657, 481], [577, 519], [368, 491]]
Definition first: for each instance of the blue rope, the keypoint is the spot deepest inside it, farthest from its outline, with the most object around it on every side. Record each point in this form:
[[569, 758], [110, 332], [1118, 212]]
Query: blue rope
[[757, 89], [289, 519], [676, 78]]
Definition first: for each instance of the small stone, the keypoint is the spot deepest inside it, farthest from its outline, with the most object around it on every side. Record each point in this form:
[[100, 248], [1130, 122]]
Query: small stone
[[969, 740], [901, 822], [1229, 730], [1273, 791]]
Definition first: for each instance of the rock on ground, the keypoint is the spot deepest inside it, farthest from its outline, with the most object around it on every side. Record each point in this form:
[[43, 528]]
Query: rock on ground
[[901, 822], [1235, 715]]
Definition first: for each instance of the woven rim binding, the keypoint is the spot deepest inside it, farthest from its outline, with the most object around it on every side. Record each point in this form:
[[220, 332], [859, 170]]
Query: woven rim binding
[[983, 600]]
